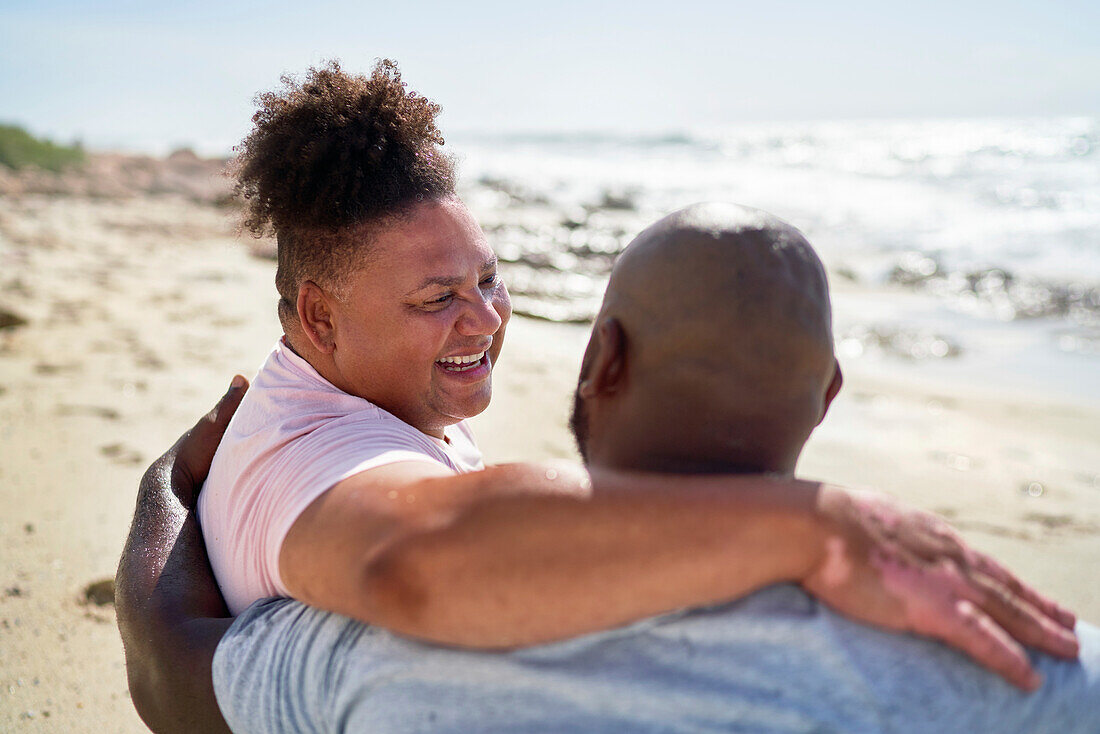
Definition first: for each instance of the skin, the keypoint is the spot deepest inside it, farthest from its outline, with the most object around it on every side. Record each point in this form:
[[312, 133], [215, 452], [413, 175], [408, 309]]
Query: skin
[[170, 612], [428, 290], [724, 314], [685, 300], [412, 547], [525, 553]]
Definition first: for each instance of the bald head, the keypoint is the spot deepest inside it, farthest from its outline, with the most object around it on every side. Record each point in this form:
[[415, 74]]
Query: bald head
[[721, 316]]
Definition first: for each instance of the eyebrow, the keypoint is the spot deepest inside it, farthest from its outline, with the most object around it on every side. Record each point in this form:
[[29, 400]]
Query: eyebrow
[[450, 281]]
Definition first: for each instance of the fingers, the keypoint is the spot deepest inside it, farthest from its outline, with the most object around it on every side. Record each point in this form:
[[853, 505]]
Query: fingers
[[1021, 620], [1022, 612], [227, 406], [975, 633], [1050, 608], [195, 449]]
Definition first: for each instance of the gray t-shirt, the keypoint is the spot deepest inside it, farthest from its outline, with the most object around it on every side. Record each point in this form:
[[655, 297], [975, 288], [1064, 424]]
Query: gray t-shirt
[[777, 661]]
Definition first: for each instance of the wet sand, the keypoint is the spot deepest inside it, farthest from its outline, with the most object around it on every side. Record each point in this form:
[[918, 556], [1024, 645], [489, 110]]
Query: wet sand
[[129, 313]]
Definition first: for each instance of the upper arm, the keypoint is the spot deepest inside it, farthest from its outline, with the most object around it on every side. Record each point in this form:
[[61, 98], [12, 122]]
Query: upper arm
[[329, 547]]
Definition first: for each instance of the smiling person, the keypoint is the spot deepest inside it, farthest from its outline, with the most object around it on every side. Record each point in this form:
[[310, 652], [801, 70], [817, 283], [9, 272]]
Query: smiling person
[[777, 661], [348, 479]]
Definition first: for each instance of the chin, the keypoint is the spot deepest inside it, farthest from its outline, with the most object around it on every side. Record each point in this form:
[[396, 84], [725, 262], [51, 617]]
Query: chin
[[472, 406]]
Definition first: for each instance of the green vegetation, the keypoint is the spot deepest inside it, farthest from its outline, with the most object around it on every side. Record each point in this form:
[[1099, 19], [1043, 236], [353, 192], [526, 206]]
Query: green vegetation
[[18, 148]]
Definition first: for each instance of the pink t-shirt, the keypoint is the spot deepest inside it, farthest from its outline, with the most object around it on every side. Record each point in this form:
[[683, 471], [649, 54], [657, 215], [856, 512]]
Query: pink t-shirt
[[293, 437]]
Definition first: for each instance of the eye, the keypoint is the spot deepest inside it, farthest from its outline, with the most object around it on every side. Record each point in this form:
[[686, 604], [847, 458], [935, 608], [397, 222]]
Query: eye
[[445, 298], [489, 280]]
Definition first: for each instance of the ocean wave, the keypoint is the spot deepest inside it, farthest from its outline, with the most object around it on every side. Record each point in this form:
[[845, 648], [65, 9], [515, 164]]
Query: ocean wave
[[995, 219], [997, 292]]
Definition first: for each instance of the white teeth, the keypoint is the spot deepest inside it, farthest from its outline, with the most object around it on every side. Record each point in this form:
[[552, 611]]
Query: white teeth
[[469, 359]]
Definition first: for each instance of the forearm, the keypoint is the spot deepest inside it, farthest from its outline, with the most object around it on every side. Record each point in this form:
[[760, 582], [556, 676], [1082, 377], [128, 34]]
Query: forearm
[[169, 616], [526, 554], [533, 558]]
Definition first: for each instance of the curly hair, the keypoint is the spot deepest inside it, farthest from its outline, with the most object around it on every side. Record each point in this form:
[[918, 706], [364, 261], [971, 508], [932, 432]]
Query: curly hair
[[330, 154]]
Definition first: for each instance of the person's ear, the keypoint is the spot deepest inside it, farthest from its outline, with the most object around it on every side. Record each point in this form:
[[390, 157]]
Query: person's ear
[[830, 392], [608, 366], [315, 317]]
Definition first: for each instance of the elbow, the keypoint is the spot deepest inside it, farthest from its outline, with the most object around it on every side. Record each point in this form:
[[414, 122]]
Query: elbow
[[151, 692], [144, 678], [137, 644], [149, 643], [146, 683], [169, 676], [404, 578], [396, 590], [418, 589], [143, 696]]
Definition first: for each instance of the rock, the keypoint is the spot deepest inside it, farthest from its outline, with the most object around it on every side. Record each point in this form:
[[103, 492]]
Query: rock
[[619, 200], [914, 268]]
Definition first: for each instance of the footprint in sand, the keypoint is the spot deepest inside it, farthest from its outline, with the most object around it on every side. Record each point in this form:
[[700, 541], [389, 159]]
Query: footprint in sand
[[990, 528], [101, 593], [97, 411], [150, 361], [120, 454], [11, 320], [1057, 523], [45, 368]]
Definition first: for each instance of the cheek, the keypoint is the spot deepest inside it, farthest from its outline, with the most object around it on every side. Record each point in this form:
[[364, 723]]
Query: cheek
[[502, 302], [429, 338]]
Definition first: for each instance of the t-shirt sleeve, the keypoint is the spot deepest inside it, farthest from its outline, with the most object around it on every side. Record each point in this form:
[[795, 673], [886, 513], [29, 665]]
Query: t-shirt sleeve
[[313, 464]]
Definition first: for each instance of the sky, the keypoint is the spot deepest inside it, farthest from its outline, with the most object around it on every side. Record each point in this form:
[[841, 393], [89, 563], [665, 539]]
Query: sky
[[154, 76]]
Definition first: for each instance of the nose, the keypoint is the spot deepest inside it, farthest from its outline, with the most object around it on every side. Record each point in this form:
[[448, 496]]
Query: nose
[[480, 317]]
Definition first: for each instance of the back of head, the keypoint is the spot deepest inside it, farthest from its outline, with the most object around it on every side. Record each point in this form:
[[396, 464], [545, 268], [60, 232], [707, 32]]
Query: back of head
[[329, 157], [726, 317]]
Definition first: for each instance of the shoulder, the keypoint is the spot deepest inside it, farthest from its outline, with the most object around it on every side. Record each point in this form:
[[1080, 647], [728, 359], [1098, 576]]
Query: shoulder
[[290, 394], [268, 669]]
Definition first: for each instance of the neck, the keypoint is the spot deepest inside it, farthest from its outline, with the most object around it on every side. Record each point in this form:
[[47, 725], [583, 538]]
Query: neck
[[689, 444], [294, 344], [671, 462], [326, 368], [317, 360]]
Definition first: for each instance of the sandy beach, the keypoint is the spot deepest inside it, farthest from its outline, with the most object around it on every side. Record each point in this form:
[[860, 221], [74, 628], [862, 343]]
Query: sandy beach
[[126, 306]]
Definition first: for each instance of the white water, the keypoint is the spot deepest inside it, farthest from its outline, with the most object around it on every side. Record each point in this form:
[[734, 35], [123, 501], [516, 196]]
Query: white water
[[1021, 195], [1005, 215]]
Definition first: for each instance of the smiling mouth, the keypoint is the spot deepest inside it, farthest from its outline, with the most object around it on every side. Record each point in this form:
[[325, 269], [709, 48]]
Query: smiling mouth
[[463, 363]]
